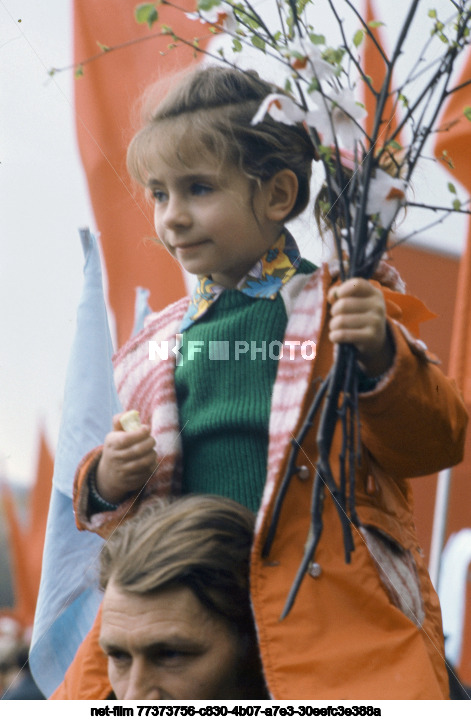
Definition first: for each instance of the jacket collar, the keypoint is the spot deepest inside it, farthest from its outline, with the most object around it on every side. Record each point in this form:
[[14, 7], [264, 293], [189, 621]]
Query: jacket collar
[[269, 274]]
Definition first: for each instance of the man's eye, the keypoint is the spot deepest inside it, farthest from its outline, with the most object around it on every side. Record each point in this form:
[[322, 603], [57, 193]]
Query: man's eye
[[201, 189], [171, 653], [172, 657], [119, 658]]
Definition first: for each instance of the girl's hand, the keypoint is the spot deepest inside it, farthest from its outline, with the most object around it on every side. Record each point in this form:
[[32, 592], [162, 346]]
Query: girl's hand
[[358, 316], [127, 462]]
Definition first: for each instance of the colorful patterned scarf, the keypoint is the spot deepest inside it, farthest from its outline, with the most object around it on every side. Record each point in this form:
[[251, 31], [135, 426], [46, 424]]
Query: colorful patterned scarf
[[264, 280]]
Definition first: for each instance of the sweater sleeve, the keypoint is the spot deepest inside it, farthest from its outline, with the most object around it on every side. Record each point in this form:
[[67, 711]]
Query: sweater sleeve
[[102, 523], [149, 388]]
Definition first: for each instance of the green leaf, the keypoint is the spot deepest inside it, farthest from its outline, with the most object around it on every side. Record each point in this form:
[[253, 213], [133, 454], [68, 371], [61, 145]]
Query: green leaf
[[258, 42], [78, 71], [394, 144], [452, 188], [103, 48], [333, 56], [324, 207], [358, 38], [146, 13], [301, 4], [236, 45], [456, 204], [313, 86], [317, 39], [467, 112], [404, 100], [375, 24], [432, 13], [325, 152], [446, 159], [206, 5]]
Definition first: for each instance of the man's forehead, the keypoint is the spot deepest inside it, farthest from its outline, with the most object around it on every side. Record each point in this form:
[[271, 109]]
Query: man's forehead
[[168, 616]]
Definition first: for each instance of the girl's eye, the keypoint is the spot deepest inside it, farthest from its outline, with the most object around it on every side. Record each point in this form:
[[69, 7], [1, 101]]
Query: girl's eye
[[201, 189], [159, 196]]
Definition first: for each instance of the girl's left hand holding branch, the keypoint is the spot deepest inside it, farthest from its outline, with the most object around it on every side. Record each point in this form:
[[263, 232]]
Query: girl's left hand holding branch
[[358, 316]]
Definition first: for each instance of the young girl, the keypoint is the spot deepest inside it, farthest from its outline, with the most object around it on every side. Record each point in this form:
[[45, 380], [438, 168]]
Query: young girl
[[220, 411]]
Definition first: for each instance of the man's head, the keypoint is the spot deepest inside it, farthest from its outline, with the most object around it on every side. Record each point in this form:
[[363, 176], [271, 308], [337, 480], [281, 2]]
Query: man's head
[[177, 621]]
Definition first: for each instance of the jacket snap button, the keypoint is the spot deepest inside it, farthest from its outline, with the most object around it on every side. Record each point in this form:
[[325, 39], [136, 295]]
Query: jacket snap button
[[314, 570], [303, 473]]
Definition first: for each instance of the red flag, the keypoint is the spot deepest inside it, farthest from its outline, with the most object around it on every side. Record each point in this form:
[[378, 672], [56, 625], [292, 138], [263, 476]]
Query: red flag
[[38, 509], [106, 98], [16, 545], [26, 542]]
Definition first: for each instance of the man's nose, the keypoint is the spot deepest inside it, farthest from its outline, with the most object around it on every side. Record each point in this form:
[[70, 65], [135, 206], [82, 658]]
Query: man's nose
[[142, 684]]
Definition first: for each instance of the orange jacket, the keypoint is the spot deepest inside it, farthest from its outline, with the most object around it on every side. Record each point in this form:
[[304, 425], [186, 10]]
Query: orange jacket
[[370, 629]]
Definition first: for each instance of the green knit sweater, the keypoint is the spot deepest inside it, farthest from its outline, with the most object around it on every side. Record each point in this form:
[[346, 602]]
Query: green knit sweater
[[224, 388]]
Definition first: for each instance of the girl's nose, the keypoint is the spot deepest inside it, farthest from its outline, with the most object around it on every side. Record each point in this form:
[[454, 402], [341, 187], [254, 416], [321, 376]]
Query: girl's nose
[[177, 214]]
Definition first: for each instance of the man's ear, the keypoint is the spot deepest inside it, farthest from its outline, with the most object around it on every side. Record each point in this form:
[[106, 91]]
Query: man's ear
[[282, 191]]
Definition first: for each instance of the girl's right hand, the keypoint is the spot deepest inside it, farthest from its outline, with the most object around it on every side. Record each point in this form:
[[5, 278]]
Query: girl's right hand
[[127, 462]]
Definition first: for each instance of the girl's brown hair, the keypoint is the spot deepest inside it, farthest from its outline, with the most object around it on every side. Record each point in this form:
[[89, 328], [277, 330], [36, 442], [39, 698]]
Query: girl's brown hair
[[210, 112]]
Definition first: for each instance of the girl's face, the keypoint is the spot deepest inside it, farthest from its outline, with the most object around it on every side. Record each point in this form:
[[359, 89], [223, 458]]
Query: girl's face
[[210, 218]]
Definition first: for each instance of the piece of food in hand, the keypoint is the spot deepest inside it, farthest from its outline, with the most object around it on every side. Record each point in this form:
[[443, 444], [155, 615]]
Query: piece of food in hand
[[130, 421]]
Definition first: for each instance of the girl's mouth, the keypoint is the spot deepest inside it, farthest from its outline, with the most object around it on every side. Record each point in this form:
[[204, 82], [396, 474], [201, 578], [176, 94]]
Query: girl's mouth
[[188, 247]]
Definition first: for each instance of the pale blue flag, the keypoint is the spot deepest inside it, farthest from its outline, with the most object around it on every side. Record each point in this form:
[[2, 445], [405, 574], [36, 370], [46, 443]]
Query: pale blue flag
[[141, 309], [69, 595]]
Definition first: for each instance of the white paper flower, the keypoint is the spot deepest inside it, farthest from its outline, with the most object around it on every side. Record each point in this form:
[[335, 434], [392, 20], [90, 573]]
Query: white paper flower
[[337, 117], [281, 108], [220, 17], [307, 60], [385, 196]]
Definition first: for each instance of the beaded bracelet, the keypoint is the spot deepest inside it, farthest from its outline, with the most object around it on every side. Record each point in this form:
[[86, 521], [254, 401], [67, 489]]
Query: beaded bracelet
[[96, 503]]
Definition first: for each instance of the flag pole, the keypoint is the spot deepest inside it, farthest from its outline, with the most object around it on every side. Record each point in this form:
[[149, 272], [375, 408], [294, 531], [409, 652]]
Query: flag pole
[[440, 517]]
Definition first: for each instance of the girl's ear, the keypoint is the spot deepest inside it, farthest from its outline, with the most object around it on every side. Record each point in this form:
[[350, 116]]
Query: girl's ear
[[282, 191]]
